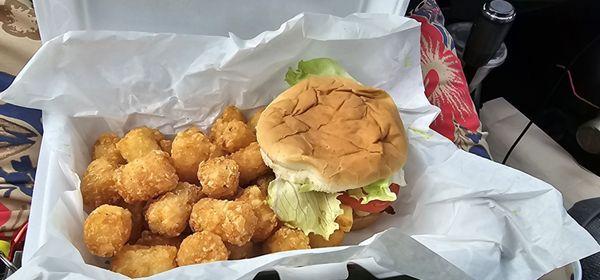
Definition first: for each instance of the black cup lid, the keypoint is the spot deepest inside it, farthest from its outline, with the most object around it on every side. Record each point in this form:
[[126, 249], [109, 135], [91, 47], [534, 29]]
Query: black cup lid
[[499, 11]]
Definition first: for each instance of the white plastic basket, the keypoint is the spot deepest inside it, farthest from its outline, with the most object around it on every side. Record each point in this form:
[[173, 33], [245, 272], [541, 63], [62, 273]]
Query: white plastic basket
[[203, 17], [206, 17]]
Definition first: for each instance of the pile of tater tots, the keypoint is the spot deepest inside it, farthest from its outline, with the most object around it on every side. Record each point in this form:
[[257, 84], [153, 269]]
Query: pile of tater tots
[[156, 203]]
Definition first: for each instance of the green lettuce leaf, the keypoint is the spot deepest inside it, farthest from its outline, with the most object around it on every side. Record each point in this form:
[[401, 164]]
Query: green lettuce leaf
[[379, 190], [310, 211], [318, 67]]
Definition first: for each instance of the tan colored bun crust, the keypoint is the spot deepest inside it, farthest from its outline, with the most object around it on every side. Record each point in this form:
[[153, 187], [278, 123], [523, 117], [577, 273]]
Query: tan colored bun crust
[[331, 128], [360, 222]]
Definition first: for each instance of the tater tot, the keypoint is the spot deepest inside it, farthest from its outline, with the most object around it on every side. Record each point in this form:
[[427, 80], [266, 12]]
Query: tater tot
[[231, 113], [219, 177], [201, 247], [105, 147], [263, 182], [241, 252], [216, 128], [345, 220], [190, 148], [169, 214], [151, 239], [233, 136], [146, 177], [142, 261], [267, 220], [254, 118], [286, 239], [138, 142], [192, 192], [318, 241], [166, 145], [137, 219], [98, 185], [250, 163], [106, 230], [233, 221]]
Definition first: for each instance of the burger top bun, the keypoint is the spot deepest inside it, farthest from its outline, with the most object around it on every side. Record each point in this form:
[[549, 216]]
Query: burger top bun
[[333, 133]]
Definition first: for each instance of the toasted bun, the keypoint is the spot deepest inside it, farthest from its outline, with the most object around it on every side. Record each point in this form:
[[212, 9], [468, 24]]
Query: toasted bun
[[333, 132], [360, 222]]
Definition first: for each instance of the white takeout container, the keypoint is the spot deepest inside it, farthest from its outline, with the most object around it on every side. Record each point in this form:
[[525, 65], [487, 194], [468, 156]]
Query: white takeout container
[[203, 17]]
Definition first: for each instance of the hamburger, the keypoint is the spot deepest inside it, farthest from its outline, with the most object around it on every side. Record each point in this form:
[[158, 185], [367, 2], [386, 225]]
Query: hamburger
[[331, 142]]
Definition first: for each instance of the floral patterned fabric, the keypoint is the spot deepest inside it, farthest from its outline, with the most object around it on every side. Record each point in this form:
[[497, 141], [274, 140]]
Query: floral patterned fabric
[[19, 36], [445, 83], [20, 139], [20, 128]]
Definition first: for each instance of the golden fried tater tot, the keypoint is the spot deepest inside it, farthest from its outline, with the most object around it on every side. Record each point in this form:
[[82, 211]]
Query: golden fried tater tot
[[286, 239], [138, 142], [106, 230], [192, 192], [216, 128], [233, 221], [250, 163], [151, 239], [98, 184], [141, 261], [169, 214], [166, 145], [190, 148], [231, 113], [345, 220], [254, 118], [201, 247], [263, 182], [267, 220], [105, 147], [219, 177], [137, 219], [233, 136], [146, 177], [241, 252], [318, 241]]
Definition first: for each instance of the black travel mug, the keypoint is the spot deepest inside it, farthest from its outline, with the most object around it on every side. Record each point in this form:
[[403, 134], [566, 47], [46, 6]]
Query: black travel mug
[[487, 34]]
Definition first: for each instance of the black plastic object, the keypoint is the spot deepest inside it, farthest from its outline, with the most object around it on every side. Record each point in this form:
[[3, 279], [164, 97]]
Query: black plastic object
[[587, 214], [355, 272], [487, 34]]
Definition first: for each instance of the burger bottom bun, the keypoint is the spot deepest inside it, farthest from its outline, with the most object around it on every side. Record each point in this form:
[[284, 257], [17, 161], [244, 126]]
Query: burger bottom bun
[[361, 222]]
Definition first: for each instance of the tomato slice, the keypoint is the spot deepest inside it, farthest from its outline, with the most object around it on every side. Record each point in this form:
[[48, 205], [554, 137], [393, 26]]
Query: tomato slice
[[374, 206]]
